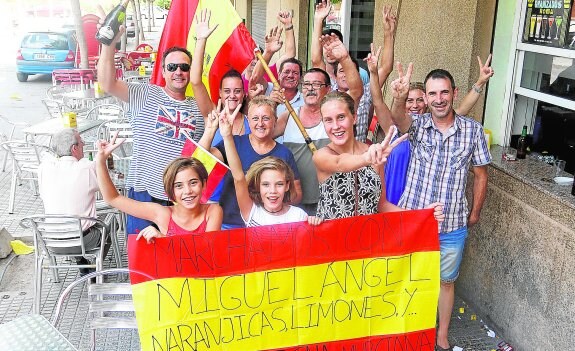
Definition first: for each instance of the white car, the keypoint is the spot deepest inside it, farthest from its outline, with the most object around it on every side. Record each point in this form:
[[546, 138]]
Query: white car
[[130, 26]]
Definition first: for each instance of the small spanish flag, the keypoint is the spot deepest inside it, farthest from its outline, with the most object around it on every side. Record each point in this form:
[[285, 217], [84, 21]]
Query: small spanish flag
[[229, 46], [216, 169]]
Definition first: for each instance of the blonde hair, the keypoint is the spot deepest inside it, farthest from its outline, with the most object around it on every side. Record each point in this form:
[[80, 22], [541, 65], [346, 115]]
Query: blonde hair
[[261, 100], [339, 96], [254, 175]]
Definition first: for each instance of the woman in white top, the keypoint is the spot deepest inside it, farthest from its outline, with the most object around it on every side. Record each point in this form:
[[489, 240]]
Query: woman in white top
[[264, 193]]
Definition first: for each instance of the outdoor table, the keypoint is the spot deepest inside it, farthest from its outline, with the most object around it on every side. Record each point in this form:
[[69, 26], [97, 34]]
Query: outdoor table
[[32, 332], [54, 125]]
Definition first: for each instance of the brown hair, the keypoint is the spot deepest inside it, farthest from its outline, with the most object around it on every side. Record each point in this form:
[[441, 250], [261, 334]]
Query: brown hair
[[254, 175], [180, 164], [339, 96]]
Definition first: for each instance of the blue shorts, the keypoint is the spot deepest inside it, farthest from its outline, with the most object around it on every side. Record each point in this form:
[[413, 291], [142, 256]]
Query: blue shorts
[[451, 246]]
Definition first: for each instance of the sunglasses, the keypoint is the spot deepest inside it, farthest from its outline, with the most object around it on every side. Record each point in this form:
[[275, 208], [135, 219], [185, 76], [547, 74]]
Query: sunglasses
[[172, 67]]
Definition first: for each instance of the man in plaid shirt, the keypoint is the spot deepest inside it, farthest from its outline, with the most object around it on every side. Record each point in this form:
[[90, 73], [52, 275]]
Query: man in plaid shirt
[[443, 146]]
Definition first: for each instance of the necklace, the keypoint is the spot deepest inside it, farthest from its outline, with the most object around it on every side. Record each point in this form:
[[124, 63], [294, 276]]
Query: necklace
[[272, 212], [241, 129]]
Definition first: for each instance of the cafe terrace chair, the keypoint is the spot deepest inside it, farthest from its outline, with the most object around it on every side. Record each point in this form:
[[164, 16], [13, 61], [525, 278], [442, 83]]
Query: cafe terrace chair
[[110, 303], [26, 159], [56, 108], [107, 130], [60, 236], [106, 112], [10, 136]]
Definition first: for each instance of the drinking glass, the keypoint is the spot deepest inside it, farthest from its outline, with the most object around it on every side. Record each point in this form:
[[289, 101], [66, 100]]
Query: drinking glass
[[559, 167]]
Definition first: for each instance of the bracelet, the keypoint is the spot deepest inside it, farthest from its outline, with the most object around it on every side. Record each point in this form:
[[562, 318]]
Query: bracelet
[[289, 28], [476, 89]]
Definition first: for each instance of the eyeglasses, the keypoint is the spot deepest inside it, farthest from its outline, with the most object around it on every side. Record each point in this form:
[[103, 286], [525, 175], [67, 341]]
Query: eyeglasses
[[172, 67], [314, 85]]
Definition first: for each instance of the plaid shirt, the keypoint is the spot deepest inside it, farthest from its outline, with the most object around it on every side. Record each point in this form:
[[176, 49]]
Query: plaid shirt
[[439, 166]]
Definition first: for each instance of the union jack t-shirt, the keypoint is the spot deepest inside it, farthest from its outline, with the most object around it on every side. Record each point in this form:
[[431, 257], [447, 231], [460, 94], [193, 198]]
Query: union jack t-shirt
[[161, 126]]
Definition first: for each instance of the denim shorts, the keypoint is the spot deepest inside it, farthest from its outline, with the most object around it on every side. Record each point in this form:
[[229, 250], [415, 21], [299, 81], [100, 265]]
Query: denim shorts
[[451, 246]]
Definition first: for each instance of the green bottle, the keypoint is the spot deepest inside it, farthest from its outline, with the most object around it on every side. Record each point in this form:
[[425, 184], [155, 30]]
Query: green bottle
[[522, 144]]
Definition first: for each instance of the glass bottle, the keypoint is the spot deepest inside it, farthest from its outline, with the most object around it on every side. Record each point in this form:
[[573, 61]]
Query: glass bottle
[[522, 144], [112, 23]]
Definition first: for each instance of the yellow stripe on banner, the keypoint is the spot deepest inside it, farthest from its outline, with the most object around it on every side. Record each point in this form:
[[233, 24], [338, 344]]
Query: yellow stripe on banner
[[291, 306], [227, 19], [208, 161]]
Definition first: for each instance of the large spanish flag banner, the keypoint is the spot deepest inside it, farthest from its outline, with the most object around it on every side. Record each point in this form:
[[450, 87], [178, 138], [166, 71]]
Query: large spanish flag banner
[[360, 283], [229, 46]]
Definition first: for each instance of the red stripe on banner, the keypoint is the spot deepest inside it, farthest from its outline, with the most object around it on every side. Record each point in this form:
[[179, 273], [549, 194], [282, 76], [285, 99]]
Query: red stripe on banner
[[175, 33], [214, 179], [421, 340], [236, 52], [238, 251]]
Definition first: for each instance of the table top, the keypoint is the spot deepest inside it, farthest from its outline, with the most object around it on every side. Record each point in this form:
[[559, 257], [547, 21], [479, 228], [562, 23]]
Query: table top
[[32, 332], [54, 125]]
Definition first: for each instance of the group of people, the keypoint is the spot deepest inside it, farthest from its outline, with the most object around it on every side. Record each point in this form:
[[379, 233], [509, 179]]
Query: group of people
[[422, 162]]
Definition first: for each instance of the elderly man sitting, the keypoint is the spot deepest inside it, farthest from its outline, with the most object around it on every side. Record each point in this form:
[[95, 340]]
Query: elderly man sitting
[[68, 185]]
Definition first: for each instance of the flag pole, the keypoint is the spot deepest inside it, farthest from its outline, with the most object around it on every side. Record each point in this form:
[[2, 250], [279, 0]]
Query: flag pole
[[295, 117]]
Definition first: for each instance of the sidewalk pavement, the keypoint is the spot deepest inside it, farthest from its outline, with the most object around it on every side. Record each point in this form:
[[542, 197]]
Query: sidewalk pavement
[[468, 331]]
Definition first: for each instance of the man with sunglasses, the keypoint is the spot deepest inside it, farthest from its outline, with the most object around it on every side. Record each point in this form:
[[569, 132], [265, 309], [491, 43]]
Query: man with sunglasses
[[162, 118]]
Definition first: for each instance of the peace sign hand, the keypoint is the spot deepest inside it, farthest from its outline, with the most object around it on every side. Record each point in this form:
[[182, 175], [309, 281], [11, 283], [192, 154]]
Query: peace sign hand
[[226, 120], [485, 70], [372, 59], [389, 20], [400, 86], [105, 147], [203, 30]]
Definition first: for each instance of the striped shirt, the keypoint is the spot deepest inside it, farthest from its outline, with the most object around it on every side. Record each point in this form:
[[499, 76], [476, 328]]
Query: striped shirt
[[161, 126], [439, 165]]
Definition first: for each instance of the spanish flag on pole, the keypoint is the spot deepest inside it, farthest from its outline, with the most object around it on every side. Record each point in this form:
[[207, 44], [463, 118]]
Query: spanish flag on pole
[[358, 283], [230, 46]]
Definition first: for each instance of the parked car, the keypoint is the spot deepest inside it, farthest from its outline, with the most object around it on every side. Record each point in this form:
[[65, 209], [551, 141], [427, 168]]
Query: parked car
[[43, 52], [130, 26]]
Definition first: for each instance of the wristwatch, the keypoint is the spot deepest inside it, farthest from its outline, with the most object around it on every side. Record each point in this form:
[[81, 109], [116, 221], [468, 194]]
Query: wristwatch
[[476, 89]]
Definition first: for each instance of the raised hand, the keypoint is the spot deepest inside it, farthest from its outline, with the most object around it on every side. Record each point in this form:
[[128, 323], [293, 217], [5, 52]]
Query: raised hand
[[372, 59], [273, 41], [102, 14], [285, 18], [485, 70], [333, 47], [226, 120], [203, 30], [278, 96], [389, 20], [322, 10], [212, 120], [400, 86], [377, 153], [105, 147]]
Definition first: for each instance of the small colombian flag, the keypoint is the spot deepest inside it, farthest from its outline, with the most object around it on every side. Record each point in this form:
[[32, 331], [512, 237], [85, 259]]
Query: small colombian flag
[[216, 169]]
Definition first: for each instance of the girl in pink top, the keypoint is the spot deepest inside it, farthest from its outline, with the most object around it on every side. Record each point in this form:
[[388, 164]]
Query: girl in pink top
[[184, 182]]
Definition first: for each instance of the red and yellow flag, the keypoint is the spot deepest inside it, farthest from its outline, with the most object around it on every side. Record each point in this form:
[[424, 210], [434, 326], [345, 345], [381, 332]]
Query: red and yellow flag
[[360, 283], [229, 46], [216, 169]]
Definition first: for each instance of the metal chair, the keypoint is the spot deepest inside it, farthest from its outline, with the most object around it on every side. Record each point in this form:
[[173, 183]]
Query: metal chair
[[55, 108], [26, 159], [106, 112], [110, 303], [62, 236], [10, 136], [107, 130]]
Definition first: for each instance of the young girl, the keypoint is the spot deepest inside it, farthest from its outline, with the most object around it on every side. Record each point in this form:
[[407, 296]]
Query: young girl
[[263, 194], [184, 180]]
